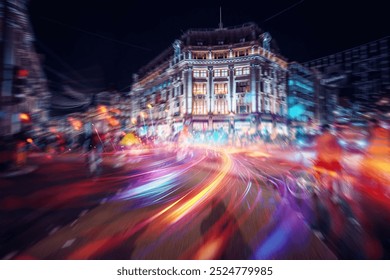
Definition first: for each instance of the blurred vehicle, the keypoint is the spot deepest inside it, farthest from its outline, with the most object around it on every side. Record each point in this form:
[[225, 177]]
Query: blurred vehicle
[[353, 139], [134, 141], [305, 141], [148, 141], [212, 155], [130, 139]]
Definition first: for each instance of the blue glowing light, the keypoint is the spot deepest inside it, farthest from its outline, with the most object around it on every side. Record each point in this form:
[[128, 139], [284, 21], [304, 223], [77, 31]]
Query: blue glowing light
[[296, 110]]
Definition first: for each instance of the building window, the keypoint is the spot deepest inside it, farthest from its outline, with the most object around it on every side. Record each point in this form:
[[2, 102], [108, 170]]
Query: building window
[[200, 55], [241, 53], [200, 73], [220, 73], [243, 109], [241, 71], [200, 105], [267, 105], [221, 104], [242, 87], [199, 88], [220, 55], [267, 87], [220, 88]]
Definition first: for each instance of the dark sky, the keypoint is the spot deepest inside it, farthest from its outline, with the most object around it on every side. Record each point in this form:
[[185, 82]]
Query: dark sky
[[98, 43]]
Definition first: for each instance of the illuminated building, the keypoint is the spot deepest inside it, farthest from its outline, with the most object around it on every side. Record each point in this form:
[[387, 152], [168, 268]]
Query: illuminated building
[[229, 78], [302, 99]]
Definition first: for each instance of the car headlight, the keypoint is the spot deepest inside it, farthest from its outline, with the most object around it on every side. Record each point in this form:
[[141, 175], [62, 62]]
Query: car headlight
[[342, 142], [362, 143]]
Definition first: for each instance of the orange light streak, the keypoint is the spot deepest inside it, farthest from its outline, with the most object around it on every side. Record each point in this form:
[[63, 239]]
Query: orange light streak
[[186, 207]]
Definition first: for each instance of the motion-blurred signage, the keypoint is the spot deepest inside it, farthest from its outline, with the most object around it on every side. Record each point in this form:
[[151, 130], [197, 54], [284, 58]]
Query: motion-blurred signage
[[333, 80]]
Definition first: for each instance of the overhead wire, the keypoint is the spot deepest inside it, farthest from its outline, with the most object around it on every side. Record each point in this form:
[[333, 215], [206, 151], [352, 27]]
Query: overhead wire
[[95, 34], [285, 10]]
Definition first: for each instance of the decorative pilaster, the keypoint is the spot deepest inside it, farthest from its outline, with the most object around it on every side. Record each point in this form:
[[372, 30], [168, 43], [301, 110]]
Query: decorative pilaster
[[232, 90], [253, 88], [273, 91], [189, 91], [261, 91], [211, 90]]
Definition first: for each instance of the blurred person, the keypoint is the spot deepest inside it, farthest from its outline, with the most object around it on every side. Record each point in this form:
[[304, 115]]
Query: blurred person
[[379, 142], [184, 139], [51, 141], [266, 136], [274, 135], [375, 166], [21, 146], [61, 142], [374, 182], [95, 130], [328, 160]]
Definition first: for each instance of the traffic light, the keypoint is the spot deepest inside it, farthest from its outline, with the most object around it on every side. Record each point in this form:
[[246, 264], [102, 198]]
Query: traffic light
[[19, 81], [24, 118]]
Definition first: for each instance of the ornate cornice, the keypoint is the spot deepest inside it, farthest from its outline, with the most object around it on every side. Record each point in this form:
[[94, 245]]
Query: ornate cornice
[[251, 58]]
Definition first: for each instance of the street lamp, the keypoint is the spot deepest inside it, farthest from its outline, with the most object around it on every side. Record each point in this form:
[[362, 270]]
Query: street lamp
[[150, 106], [231, 115], [142, 114]]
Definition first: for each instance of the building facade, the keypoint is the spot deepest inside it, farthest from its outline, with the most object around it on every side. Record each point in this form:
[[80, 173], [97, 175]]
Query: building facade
[[302, 98], [357, 79], [23, 84], [226, 78]]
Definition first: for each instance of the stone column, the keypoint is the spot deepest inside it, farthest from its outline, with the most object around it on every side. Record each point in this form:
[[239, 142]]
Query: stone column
[[189, 91], [211, 90], [253, 88], [230, 89], [259, 93]]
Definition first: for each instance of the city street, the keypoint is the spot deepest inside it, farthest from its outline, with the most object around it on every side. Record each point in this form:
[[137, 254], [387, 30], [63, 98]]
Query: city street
[[158, 132], [197, 203]]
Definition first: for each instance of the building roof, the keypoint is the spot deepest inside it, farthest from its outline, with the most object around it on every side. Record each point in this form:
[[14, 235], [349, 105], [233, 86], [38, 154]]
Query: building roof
[[222, 36], [204, 38]]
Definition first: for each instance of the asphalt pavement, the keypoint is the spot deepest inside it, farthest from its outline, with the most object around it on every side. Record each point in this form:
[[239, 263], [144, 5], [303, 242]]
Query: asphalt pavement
[[203, 204]]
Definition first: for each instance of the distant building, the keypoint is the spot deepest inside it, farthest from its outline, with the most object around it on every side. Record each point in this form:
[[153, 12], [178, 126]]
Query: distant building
[[118, 105], [360, 76], [225, 78], [302, 100]]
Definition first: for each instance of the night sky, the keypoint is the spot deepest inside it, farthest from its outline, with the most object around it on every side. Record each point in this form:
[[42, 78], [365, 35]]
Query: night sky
[[96, 44]]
